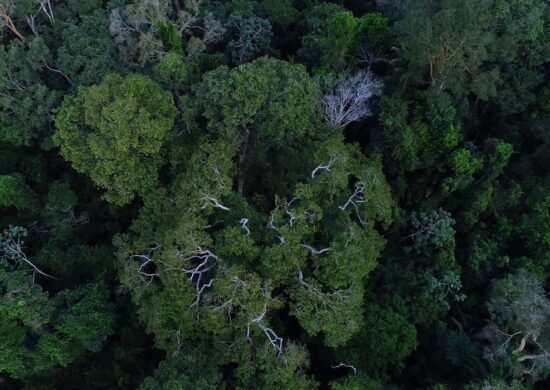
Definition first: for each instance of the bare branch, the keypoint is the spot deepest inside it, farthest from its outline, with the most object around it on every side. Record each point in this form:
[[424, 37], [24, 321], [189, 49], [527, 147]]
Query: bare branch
[[346, 366], [46, 7], [9, 24], [244, 225], [358, 196], [314, 251], [214, 203], [146, 260], [57, 71], [11, 248], [32, 25], [324, 167], [273, 338], [196, 266]]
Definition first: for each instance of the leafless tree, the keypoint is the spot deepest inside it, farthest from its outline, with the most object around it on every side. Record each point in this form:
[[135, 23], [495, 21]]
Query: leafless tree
[[519, 329], [137, 22], [190, 19], [349, 100]]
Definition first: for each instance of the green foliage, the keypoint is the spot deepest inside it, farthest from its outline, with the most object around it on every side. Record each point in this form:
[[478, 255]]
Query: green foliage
[[281, 12], [249, 241], [252, 38], [14, 192], [41, 333], [168, 33], [356, 382], [446, 41], [248, 96], [395, 339], [116, 132], [332, 36], [88, 52], [25, 100], [433, 228]]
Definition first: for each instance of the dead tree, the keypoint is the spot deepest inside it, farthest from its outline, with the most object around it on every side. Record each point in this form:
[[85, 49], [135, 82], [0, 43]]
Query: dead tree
[[349, 101], [46, 7]]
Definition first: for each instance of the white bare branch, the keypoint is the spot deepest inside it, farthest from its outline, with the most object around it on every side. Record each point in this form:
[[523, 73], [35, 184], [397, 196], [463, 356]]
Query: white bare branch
[[11, 249], [46, 7], [146, 260], [324, 167], [315, 252], [349, 100], [214, 203], [197, 265], [346, 366], [358, 196], [244, 225], [272, 337]]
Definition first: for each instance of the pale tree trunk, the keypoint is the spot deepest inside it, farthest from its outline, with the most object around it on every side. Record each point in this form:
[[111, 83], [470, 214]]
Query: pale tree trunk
[[9, 24]]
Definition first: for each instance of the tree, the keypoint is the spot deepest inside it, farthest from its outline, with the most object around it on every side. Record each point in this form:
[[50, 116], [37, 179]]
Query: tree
[[116, 133], [333, 31], [14, 192], [433, 228], [267, 104], [281, 12], [519, 334], [385, 340], [41, 333], [88, 52], [252, 38], [26, 101], [447, 42]]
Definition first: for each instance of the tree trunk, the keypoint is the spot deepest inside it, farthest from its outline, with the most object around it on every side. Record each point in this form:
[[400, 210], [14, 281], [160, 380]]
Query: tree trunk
[[11, 26]]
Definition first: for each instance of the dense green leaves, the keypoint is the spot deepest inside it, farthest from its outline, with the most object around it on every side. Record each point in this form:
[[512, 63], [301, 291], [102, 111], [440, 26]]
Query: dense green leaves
[[116, 132]]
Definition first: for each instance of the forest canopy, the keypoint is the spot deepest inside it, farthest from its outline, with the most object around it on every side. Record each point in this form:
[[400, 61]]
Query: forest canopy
[[274, 194]]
